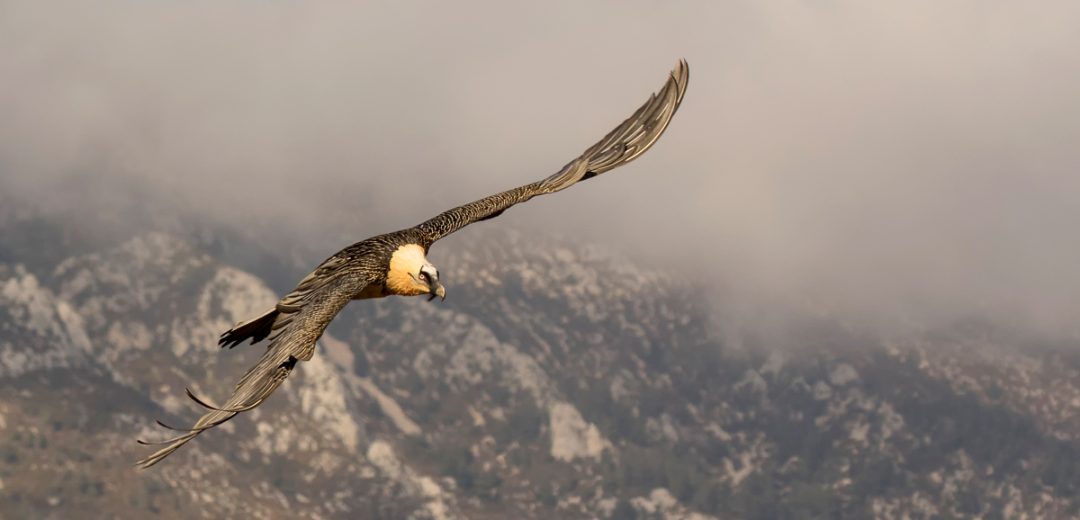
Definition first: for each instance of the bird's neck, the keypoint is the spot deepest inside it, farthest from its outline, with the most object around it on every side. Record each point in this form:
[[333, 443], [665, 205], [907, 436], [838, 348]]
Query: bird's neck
[[405, 263]]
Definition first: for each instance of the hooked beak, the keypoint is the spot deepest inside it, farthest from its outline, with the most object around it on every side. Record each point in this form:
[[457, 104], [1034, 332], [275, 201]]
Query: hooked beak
[[437, 290]]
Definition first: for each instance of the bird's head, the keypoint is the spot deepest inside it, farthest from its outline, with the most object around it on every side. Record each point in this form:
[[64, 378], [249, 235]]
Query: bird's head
[[411, 274]]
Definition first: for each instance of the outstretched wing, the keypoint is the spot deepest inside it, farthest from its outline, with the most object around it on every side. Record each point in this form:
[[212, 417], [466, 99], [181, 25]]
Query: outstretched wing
[[622, 145], [300, 320], [260, 327]]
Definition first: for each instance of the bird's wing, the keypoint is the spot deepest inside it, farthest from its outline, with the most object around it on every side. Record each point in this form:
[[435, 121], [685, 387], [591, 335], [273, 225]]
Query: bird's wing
[[622, 145], [302, 317]]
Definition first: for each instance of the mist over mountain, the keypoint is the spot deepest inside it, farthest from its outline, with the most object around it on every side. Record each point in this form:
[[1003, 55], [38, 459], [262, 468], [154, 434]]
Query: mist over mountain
[[842, 285], [908, 163], [557, 380]]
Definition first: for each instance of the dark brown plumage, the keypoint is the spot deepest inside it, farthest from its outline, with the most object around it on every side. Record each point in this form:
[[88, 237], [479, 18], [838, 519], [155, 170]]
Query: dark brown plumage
[[394, 263]]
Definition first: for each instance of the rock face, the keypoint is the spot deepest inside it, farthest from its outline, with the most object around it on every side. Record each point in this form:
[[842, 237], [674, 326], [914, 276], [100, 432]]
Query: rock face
[[39, 330], [556, 382]]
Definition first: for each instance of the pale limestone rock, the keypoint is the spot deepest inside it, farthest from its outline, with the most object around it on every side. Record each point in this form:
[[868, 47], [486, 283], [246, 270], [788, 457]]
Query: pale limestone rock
[[571, 436]]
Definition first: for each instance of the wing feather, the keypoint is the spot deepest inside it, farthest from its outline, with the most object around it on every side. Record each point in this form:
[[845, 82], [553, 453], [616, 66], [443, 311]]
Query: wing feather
[[303, 316], [623, 144]]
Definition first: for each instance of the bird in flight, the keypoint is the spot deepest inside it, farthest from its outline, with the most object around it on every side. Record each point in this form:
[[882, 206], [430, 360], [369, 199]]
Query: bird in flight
[[396, 264]]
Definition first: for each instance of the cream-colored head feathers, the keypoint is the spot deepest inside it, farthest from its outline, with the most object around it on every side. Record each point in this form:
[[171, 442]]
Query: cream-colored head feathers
[[405, 265]]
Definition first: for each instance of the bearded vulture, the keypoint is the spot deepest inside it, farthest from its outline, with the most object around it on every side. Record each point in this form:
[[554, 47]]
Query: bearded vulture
[[396, 264]]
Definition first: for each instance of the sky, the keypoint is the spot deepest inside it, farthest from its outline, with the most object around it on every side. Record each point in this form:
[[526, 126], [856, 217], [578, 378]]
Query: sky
[[887, 162]]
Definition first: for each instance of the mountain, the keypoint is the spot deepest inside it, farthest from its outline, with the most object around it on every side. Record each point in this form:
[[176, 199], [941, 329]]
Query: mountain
[[556, 381]]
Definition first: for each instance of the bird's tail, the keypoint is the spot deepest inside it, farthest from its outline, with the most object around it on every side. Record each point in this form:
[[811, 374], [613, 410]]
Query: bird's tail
[[257, 328]]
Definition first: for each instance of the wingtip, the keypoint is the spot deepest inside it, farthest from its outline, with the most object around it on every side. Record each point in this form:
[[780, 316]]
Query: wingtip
[[171, 446], [682, 66], [148, 462], [143, 464], [681, 76], [191, 395]]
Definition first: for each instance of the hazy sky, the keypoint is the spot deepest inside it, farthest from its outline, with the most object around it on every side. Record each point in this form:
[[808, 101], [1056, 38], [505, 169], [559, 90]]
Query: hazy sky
[[890, 159]]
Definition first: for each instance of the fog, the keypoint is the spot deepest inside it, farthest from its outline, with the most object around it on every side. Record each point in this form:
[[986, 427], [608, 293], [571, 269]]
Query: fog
[[888, 162]]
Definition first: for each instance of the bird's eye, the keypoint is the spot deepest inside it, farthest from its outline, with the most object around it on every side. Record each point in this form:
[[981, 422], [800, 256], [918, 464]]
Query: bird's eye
[[424, 276]]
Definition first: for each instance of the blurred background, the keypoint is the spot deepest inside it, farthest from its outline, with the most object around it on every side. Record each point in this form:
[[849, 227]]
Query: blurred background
[[842, 285]]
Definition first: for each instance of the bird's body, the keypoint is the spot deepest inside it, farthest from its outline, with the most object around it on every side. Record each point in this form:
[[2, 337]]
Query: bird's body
[[396, 264]]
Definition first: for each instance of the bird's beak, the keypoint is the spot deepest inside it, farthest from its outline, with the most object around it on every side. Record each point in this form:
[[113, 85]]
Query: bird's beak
[[437, 290]]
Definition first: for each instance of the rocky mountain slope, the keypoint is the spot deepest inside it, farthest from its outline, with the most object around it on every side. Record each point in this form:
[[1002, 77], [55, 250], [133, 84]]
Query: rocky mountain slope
[[554, 382]]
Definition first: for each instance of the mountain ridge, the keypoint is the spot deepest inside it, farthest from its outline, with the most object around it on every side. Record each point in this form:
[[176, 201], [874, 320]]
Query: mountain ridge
[[556, 380]]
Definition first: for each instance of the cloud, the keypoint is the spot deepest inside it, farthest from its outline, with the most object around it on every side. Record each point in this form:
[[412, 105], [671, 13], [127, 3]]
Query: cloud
[[913, 160]]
